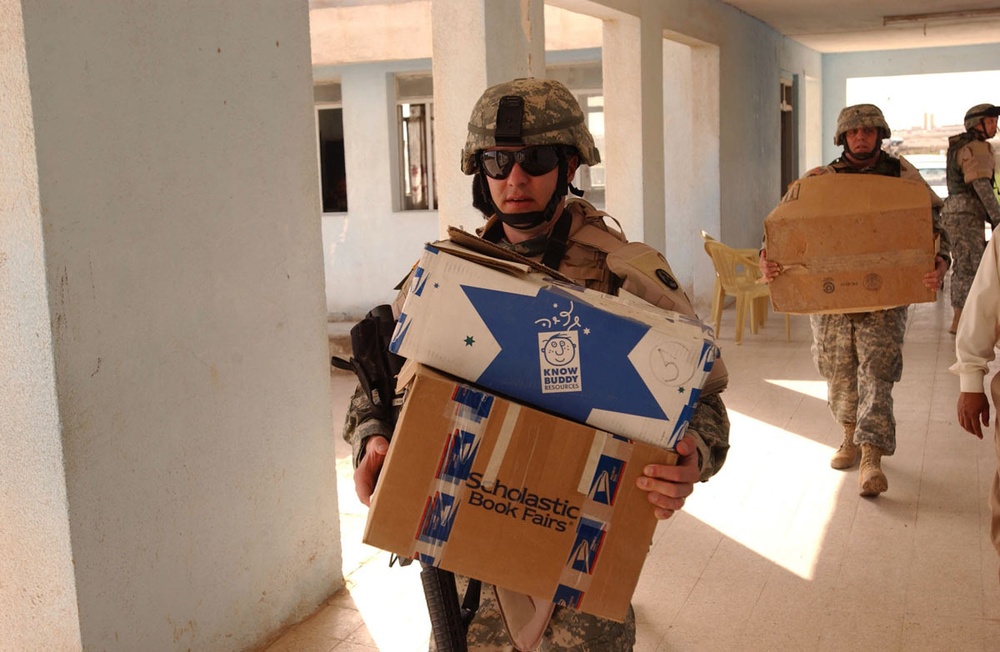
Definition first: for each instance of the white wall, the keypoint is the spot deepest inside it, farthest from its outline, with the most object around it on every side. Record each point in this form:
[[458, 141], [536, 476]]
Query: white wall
[[177, 204], [371, 247], [751, 59]]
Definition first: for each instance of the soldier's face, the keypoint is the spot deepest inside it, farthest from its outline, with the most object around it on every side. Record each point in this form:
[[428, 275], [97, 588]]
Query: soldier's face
[[862, 140], [521, 192], [990, 124]]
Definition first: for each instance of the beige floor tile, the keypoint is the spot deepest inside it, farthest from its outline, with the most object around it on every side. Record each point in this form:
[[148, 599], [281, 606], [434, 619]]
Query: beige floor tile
[[925, 634]]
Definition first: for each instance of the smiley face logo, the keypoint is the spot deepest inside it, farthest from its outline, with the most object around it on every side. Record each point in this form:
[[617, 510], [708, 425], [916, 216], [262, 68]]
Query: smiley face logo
[[559, 350]]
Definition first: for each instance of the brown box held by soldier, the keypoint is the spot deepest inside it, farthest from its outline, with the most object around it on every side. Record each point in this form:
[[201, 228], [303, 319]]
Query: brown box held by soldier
[[488, 488], [851, 243]]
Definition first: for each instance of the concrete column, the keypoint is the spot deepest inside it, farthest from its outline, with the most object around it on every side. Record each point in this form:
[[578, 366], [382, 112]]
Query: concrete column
[[168, 479], [691, 151], [38, 608], [633, 106], [501, 41]]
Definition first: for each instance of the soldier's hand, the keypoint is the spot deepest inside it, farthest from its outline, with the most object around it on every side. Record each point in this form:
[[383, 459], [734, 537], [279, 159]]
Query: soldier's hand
[[366, 475], [935, 280], [768, 269], [973, 409], [668, 486]]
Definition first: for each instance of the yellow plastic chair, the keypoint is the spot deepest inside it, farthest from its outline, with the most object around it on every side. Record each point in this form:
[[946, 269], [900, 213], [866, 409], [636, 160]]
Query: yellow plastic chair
[[736, 275]]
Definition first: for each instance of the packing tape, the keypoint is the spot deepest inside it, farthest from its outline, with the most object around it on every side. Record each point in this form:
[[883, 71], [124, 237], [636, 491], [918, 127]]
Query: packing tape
[[600, 481], [859, 262], [467, 414], [500, 449]]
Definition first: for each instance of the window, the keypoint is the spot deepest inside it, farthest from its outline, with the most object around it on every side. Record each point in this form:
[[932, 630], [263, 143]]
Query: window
[[591, 179], [789, 162], [415, 132], [330, 125]]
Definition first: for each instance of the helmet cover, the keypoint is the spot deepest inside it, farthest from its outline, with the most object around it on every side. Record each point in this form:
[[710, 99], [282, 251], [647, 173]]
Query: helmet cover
[[974, 115], [859, 116], [550, 116]]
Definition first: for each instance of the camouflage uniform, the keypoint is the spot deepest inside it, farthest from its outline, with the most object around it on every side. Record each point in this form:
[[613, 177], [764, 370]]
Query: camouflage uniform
[[861, 354], [567, 630], [971, 202], [546, 113]]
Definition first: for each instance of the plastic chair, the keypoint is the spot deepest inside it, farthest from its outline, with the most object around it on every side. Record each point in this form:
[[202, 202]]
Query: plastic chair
[[719, 294], [736, 274]]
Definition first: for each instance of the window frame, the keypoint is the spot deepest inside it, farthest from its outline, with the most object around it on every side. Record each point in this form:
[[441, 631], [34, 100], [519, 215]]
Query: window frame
[[428, 150]]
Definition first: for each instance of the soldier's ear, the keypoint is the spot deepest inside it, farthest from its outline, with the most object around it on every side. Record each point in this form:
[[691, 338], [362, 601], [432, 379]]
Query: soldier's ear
[[572, 163]]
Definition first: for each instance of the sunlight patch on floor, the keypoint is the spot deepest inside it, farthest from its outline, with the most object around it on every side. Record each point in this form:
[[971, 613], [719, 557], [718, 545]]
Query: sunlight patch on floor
[[391, 603], [813, 388], [776, 472]]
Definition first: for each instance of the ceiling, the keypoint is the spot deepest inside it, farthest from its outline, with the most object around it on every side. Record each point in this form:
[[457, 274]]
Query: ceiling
[[852, 25], [860, 25]]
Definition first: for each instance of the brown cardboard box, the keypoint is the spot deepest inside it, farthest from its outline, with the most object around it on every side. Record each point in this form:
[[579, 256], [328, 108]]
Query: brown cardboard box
[[851, 243], [492, 489]]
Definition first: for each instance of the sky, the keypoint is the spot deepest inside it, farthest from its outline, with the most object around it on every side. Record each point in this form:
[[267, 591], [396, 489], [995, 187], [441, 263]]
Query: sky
[[904, 99]]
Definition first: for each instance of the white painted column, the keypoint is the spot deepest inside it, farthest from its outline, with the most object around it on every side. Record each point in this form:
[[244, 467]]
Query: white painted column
[[691, 147], [162, 319], [633, 107], [38, 608], [500, 41]]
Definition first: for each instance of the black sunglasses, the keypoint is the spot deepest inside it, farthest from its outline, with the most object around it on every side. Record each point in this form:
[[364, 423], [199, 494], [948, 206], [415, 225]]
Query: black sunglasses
[[536, 161]]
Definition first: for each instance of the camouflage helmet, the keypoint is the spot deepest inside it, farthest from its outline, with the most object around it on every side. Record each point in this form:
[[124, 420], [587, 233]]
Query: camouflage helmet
[[551, 116], [859, 116], [978, 112]]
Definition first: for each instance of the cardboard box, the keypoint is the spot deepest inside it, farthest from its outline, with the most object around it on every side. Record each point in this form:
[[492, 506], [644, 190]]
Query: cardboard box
[[851, 243], [623, 366], [495, 490]]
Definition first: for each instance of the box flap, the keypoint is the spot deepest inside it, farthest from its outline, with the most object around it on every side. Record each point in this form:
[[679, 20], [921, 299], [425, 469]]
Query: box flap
[[474, 243]]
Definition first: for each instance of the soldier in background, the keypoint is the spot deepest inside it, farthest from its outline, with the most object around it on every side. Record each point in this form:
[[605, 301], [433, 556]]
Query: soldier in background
[[971, 199], [861, 354], [526, 139]]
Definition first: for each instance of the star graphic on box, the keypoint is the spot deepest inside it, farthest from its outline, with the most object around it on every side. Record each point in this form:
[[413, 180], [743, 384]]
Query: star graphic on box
[[612, 382]]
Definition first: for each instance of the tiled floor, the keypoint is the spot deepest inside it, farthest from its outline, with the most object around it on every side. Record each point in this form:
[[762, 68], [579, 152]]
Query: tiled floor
[[778, 552]]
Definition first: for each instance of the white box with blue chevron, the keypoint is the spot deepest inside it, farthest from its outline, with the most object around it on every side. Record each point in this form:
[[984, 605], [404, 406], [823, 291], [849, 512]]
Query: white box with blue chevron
[[611, 362]]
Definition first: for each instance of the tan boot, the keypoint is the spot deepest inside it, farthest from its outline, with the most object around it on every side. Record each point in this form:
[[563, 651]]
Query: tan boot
[[954, 321], [847, 454], [872, 480]]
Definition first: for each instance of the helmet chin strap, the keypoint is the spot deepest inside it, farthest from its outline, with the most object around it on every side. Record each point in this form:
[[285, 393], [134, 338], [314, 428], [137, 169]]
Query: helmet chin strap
[[526, 221]]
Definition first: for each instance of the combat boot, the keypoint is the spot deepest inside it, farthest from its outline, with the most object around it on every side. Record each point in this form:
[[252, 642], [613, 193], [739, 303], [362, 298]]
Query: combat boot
[[954, 321], [872, 480], [847, 454]]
